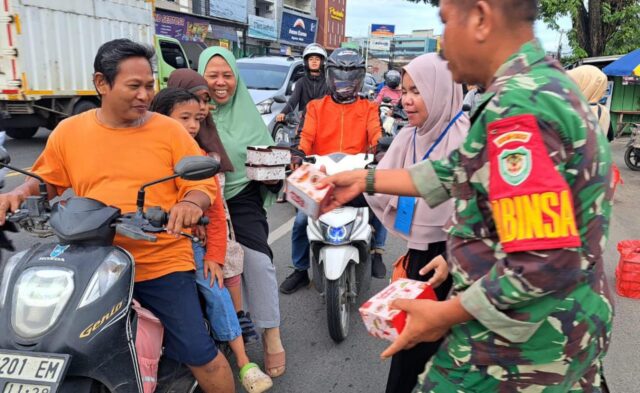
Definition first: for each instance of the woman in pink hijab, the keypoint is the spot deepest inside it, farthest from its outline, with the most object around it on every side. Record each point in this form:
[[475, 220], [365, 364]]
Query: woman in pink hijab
[[437, 126]]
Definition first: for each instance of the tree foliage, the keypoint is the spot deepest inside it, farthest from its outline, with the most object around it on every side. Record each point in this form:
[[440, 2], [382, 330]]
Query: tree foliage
[[599, 27]]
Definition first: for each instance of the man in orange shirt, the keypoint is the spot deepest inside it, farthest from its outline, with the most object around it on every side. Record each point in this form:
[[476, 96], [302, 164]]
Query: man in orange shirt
[[107, 154], [338, 123]]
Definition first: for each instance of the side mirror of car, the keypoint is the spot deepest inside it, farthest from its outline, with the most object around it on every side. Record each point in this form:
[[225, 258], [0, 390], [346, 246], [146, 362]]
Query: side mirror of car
[[197, 168], [292, 85], [280, 99], [5, 158]]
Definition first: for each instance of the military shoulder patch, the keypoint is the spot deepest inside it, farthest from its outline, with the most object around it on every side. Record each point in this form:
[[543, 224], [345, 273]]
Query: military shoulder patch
[[531, 201]]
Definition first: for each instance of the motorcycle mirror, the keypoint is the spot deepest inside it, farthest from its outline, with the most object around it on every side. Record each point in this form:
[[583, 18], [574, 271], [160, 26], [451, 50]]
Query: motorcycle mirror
[[280, 99], [5, 158], [197, 168]]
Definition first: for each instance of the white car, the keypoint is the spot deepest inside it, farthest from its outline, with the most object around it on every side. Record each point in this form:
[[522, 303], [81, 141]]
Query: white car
[[267, 78]]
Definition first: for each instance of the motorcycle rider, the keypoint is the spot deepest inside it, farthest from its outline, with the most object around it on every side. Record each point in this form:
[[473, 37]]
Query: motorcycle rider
[[337, 123], [312, 85], [97, 154], [391, 88]]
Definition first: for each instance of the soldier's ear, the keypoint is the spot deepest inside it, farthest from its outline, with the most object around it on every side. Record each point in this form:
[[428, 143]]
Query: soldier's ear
[[482, 20]]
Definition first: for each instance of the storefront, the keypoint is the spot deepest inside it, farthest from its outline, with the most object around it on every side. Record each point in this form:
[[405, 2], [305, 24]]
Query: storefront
[[230, 25], [296, 32], [189, 30]]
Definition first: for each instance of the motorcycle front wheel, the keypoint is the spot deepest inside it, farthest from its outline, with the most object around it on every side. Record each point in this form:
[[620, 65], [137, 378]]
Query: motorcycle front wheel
[[338, 307], [632, 158]]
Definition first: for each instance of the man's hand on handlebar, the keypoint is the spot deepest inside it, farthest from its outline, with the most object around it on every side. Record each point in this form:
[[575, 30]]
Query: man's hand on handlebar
[[10, 202], [183, 214], [280, 118]]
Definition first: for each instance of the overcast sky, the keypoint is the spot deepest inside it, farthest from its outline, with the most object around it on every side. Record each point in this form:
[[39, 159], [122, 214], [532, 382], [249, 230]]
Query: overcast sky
[[407, 16]]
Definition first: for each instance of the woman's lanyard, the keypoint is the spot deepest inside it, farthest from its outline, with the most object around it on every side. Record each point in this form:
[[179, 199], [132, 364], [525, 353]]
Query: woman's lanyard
[[407, 205], [437, 142]]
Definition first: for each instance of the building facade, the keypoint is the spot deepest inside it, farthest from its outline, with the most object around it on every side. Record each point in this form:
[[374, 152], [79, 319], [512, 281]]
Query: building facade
[[332, 16]]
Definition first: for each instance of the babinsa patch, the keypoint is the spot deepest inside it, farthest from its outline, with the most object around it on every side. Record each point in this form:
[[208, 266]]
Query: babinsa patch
[[531, 202]]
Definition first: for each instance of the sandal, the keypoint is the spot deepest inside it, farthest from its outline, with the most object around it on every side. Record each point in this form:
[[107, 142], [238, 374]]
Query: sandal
[[253, 379], [274, 361]]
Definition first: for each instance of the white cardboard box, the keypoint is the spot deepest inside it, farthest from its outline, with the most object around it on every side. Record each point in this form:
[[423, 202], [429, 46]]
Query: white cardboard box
[[302, 192]]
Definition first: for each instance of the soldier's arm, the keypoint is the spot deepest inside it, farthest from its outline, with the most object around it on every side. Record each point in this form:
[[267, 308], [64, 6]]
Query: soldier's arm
[[433, 179]]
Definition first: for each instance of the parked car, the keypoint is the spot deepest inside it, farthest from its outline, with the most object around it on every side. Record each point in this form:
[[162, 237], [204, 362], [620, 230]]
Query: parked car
[[268, 77]]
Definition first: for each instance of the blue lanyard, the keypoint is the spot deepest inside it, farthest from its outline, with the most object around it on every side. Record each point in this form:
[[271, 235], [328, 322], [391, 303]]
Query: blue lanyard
[[437, 142]]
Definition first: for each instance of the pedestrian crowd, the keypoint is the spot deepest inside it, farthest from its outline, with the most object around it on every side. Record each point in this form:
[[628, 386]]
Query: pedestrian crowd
[[503, 199]]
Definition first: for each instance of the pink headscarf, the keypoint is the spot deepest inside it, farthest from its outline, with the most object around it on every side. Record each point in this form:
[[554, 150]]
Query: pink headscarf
[[443, 98]]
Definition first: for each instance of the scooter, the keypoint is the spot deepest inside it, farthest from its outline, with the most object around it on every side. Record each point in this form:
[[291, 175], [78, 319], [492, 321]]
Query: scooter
[[340, 244], [65, 307], [287, 133], [632, 154], [392, 117]]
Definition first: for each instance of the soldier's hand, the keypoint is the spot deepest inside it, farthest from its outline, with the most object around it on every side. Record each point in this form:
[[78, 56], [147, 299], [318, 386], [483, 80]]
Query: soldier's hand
[[280, 117], [440, 271], [10, 202], [425, 323], [183, 215]]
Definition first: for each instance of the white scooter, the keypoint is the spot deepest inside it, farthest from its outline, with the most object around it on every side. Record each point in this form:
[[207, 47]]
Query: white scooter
[[340, 244]]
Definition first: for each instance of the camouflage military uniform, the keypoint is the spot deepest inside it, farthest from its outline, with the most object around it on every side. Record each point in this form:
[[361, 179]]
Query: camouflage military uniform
[[532, 188]]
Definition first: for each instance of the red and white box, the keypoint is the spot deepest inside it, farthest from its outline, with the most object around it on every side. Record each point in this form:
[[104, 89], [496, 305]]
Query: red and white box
[[268, 155], [384, 322], [302, 192]]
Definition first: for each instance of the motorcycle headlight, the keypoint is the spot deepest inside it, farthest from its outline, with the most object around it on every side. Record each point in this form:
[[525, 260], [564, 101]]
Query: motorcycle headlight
[[337, 235], [264, 107], [103, 279], [40, 295], [9, 267]]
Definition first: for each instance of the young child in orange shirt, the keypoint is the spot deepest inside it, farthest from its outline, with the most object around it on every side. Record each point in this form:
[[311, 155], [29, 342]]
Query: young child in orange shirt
[[184, 107]]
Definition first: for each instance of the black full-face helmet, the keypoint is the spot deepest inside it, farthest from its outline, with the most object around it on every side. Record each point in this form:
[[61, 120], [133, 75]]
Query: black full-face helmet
[[345, 75], [392, 79]]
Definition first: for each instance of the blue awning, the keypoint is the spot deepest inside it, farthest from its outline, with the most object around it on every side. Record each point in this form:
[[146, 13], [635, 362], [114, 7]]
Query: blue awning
[[624, 66]]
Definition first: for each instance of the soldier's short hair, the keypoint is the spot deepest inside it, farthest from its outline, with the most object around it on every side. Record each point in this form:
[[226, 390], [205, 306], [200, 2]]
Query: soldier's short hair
[[516, 10]]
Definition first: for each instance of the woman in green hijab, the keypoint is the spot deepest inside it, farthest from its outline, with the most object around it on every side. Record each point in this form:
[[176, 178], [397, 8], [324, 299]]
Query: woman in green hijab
[[240, 125]]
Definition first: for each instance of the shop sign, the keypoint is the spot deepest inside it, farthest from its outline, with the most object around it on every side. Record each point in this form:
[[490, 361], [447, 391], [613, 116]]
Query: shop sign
[[336, 14], [235, 10], [181, 27], [297, 29], [262, 28]]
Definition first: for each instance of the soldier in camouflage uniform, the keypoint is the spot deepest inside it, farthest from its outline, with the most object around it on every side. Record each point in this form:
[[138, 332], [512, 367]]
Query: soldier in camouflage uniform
[[531, 310]]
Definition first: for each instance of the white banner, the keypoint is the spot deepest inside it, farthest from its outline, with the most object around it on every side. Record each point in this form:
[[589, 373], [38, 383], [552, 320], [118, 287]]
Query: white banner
[[379, 44]]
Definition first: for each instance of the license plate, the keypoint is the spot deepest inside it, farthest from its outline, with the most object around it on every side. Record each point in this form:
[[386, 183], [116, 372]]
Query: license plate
[[31, 372], [13, 387]]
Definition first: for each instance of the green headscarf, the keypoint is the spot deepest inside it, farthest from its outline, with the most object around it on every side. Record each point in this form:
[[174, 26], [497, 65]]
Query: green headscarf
[[239, 125]]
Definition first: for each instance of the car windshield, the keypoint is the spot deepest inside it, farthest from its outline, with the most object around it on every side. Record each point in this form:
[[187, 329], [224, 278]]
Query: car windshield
[[263, 76]]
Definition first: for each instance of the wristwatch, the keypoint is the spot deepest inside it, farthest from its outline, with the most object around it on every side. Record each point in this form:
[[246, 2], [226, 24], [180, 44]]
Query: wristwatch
[[370, 180]]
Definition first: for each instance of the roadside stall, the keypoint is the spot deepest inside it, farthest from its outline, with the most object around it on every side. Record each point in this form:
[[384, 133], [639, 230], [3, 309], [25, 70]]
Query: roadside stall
[[625, 100]]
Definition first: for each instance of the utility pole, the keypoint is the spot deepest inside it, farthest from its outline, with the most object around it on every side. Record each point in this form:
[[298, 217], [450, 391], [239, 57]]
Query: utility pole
[[559, 54]]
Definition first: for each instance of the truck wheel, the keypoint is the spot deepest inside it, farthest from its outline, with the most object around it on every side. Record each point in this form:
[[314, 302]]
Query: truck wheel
[[83, 106], [338, 307], [21, 133]]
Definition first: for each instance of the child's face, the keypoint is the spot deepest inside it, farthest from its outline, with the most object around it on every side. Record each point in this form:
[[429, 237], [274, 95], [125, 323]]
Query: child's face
[[189, 115]]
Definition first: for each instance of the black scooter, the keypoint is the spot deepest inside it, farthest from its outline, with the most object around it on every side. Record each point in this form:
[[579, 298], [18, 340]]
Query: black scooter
[[65, 308]]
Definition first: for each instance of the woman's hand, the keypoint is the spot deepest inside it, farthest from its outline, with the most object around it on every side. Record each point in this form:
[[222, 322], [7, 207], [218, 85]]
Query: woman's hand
[[440, 271], [214, 270], [346, 186]]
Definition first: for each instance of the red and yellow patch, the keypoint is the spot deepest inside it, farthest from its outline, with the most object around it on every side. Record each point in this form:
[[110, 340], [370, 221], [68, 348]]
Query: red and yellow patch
[[532, 203]]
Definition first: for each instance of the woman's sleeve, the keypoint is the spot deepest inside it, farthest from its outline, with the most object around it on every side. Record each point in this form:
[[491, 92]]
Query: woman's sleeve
[[216, 231]]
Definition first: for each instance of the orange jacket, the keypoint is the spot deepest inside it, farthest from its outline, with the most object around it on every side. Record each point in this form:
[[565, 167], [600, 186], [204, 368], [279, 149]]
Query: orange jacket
[[330, 127]]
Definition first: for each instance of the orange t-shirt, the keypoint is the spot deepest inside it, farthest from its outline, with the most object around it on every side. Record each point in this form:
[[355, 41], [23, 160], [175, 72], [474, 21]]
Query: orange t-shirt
[[110, 165], [330, 127]]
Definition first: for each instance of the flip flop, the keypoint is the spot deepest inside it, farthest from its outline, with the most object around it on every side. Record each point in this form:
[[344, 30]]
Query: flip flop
[[253, 379], [274, 361]]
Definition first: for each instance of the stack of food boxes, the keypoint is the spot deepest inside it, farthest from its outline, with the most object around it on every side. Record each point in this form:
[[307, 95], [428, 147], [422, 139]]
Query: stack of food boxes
[[387, 323], [267, 163], [302, 192]]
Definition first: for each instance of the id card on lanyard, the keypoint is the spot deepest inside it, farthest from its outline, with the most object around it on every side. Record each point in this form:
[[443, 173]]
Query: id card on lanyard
[[407, 205]]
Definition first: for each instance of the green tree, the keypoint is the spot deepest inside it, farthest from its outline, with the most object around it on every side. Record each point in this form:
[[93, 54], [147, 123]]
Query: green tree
[[599, 27]]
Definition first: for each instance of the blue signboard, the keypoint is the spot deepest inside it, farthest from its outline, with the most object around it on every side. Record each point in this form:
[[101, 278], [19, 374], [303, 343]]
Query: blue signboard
[[229, 9], [383, 30], [297, 29]]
